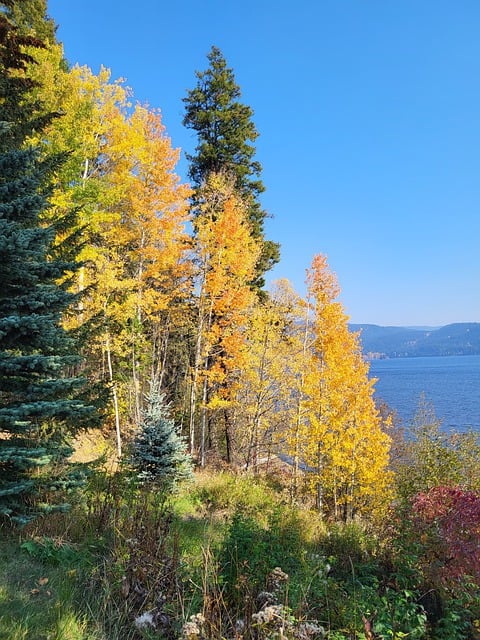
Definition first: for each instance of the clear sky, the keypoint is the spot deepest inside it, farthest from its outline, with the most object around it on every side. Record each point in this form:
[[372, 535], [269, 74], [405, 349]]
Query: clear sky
[[369, 120]]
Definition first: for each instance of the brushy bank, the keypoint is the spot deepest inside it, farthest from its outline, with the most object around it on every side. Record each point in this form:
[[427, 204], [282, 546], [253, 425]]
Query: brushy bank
[[226, 557]]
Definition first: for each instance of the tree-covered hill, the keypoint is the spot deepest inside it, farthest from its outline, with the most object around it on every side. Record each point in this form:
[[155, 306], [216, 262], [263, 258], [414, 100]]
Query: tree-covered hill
[[457, 339]]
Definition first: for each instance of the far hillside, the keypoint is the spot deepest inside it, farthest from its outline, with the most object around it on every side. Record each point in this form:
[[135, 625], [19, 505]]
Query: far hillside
[[457, 339]]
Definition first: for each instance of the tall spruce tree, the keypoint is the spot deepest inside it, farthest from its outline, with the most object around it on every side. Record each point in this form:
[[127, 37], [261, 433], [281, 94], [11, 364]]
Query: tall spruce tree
[[225, 133], [40, 405], [30, 16]]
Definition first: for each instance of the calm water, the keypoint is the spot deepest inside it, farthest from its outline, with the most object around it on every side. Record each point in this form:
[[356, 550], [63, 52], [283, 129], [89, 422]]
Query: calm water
[[450, 383]]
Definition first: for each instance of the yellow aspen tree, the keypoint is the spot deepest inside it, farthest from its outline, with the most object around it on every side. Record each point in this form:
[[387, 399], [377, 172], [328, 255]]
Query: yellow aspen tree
[[86, 102], [269, 388], [299, 364], [258, 386], [151, 230], [133, 213], [227, 254], [345, 447]]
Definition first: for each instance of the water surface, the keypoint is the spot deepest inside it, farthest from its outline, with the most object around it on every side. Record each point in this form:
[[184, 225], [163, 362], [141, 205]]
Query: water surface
[[450, 383]]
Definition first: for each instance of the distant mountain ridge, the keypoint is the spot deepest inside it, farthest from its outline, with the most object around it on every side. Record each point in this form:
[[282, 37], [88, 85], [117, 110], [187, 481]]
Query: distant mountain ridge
[[459, 339]]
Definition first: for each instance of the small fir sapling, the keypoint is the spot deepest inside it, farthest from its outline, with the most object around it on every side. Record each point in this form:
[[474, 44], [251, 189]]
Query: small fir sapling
[[159, 451]]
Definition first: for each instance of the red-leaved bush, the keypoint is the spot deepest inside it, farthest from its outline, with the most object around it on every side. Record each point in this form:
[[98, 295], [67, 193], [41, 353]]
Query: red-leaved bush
[[448, 523]]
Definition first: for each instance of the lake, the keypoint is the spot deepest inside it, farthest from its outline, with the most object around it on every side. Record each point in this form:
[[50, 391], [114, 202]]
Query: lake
[[450, 383]]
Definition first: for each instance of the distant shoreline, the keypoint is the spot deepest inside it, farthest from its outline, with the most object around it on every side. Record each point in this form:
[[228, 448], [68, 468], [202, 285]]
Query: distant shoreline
[[380, 343], [382, 356]]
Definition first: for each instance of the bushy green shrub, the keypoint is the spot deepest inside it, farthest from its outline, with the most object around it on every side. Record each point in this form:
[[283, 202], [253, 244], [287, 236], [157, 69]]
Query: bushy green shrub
[[51, 551]]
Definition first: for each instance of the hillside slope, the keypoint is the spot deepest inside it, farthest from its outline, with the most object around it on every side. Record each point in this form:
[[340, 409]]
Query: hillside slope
[[457, 339]]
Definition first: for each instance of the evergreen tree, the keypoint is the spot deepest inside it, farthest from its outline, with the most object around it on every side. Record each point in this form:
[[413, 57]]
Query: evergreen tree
[[39, 404], [30, 17], [159, 452], [225, 133], [20, 115]]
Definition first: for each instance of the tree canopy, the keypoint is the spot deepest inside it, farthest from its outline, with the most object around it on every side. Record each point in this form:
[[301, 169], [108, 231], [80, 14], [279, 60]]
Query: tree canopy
[[226, 133]]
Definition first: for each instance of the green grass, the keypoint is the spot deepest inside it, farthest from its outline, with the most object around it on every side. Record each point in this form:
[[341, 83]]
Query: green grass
[[212, 549], [36, 597]]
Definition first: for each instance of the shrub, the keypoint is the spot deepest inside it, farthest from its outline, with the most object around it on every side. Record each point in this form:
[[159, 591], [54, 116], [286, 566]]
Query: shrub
[[448, 522]]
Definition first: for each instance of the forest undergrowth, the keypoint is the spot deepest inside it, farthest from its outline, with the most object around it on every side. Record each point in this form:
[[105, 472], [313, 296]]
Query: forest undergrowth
[[227, 556]]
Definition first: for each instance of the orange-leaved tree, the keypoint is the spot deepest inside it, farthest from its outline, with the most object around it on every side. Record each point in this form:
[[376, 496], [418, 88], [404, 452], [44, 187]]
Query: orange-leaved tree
[[226, 254]]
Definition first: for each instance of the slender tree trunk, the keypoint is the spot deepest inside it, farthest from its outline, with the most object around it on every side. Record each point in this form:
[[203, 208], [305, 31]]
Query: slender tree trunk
[[228, 435], [256, 421], [204, 423], [252, 448], [319, 484], [81, 287], [136, 384], [335, 498], [81, 271], [296, 453], [205, 324], [299, 415], [194, 384], [163, 353], [256, 430], [85, 172], [195, 376], [114, 396], [353, 479]]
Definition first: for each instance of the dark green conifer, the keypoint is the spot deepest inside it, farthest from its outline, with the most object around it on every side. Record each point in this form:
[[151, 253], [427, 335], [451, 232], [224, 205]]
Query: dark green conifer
[[20, 115], [30, 17], [40, 405], [225, 132]]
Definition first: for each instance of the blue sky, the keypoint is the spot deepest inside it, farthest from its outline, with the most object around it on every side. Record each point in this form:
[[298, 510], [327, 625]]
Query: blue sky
[[369, 120]]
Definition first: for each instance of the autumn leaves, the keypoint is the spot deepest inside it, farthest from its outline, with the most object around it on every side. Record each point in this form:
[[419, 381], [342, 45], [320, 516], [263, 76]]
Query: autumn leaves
[[168, 296]]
